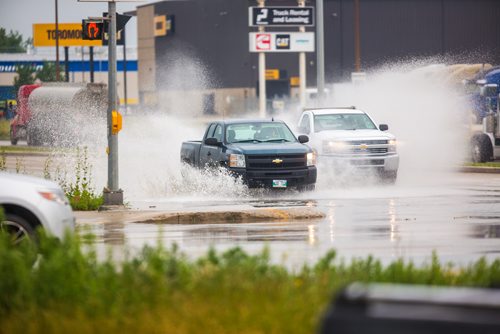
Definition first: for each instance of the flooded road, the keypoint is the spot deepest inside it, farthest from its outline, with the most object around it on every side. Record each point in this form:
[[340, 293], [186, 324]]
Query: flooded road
[[458, 216]]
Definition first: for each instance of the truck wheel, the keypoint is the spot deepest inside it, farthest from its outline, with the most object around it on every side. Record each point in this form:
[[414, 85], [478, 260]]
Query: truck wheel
[[31, 138], [13, 139], [307, 187], [389, 177], [482, 150], [185, 167]]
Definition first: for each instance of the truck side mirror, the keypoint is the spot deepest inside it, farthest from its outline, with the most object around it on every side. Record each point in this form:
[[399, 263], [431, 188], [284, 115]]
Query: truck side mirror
[[212, 141], [303, 139], [383, 127], [489, 90]]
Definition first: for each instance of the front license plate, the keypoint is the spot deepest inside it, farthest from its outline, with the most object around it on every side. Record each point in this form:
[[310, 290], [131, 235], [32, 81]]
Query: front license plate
[[280, 183]]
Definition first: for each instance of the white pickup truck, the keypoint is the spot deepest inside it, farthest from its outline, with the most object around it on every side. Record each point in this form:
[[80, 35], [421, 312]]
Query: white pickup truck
[[348, 138]]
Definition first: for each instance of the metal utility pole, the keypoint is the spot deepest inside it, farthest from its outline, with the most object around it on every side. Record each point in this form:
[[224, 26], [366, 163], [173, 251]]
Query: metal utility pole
[[302, 67], [66, 63], [125, 97], [262, 73], [57, 42], [320, 50], [91, 63], [113, 195], [357, 44]]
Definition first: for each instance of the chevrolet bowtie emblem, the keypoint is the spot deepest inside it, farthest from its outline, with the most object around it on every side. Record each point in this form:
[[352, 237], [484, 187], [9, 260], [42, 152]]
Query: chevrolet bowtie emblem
[[363, 147], [277, 161]]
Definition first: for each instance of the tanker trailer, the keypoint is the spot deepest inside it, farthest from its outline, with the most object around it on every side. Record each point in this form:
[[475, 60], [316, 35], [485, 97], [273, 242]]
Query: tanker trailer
[[67, 114]]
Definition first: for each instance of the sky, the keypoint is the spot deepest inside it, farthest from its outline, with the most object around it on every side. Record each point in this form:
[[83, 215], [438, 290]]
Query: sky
[[19, 15]]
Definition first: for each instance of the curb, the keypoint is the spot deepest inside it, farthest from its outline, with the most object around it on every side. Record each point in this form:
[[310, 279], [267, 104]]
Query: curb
[[475, 169], [198, 217]]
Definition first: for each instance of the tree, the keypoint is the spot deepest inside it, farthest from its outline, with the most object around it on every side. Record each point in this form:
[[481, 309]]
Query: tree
[[24, 76], [12, 42], [48, 72]]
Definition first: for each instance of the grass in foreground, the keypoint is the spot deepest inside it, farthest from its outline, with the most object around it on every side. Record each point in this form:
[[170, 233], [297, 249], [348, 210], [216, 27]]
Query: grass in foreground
[[483, 164], [61, 288]]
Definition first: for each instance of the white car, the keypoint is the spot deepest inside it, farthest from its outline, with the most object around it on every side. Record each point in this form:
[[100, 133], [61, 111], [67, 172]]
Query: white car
[[348, 137], [29, 202]]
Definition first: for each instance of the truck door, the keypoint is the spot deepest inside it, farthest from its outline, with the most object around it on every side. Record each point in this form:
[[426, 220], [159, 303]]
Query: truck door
[[210, 155]]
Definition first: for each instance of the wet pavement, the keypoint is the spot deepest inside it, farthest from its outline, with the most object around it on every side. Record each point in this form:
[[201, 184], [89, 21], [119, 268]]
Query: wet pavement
[[456, 215]]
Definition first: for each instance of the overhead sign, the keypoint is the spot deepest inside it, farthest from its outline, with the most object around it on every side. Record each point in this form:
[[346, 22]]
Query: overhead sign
[[281, 42], [281, 16], [70, 34]]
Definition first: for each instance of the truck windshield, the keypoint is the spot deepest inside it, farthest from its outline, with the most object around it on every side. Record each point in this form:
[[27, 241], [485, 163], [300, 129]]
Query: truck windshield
[[258, 133], [343, 122]]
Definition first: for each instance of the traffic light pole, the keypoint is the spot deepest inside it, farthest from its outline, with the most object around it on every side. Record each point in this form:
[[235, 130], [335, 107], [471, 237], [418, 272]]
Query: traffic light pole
[[113, 195]]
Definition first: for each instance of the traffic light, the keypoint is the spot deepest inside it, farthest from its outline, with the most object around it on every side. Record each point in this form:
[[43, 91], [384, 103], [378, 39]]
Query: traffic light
[[92, 29], [121, 21]]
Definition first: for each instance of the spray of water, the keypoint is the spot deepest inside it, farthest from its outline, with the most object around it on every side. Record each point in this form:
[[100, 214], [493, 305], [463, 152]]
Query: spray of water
[[425, 113], [425, 110]]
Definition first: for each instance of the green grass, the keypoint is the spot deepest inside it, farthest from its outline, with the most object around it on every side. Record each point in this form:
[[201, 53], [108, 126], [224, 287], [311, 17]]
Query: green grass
[[483, 164], [61, 288], [81, 194], [35, 149], [4, 129]]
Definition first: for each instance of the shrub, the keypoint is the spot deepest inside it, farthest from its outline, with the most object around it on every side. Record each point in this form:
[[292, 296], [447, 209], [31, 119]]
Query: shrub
[[81, 194], [65, 286]]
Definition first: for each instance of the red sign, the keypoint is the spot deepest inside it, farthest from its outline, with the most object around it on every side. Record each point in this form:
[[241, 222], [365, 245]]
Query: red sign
[[263, 42]]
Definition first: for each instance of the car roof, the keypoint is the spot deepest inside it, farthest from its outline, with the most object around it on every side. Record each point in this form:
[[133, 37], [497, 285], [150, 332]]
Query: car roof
[[329, 111], [239, 121]]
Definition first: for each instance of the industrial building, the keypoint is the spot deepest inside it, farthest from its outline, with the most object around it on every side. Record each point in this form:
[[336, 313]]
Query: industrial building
[[194, 54]]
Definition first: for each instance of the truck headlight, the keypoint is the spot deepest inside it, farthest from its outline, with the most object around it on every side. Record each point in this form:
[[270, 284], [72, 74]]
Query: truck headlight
[[332, 146], [311, 159], [392, 145], [237, 160]]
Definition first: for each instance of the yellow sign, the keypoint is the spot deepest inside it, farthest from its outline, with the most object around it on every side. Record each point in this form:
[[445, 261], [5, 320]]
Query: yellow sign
[[163, 24], [272, 74], [294, 81], [116, 122], [70, 34]]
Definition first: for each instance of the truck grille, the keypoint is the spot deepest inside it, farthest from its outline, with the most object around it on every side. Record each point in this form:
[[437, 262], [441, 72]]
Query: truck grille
[[368, 150], [288, 161], [357, 148]]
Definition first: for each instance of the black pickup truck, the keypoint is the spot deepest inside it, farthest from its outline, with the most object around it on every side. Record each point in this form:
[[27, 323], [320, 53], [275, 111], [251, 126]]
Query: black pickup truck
[[265, 153]]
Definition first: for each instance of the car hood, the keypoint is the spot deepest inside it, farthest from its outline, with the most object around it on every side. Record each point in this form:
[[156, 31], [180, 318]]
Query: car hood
[[269, 148], [29, 180], [346, 135]]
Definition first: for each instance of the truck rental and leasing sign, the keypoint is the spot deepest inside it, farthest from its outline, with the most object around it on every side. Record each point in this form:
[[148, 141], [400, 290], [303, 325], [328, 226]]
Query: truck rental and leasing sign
[[281, 42], [281, 16], [70, 34]]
